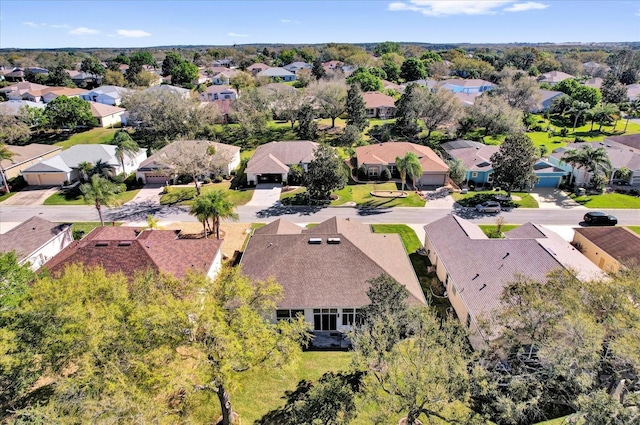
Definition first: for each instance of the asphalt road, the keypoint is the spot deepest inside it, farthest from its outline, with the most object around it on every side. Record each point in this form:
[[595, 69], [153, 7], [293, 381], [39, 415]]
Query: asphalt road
[[139, 212]]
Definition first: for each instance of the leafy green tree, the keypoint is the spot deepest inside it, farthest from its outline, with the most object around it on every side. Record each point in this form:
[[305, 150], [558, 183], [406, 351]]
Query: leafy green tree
[[495, 116], [331, 97], [251, 111], [407, 109], [113, 78], [183, 74], [93, 66], [513, 163], [355, 108], [439, 109], [613, 91], [603, 113], [365, 79], [125, 147], [633, 108], [318, 70], [5, 154], [409, 164], [69, 112], [579, 92], [471, 68], [457, 171], [58, 76], [392, 70], [85, 168], [242, 81], [170, 61], [214, 206], [144, 58], [429, 57], [34, 118], [519, 91], [413, 69], [387, 47], [307, 127], [100, 192], [13, 131], [287, 56], [325, 173]]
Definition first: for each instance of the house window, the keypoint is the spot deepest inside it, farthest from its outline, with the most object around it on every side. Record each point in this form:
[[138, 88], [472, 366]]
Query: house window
[[325, 319], [351, 316], [490, 178], [474, 174], [288, 314], [373, 171]]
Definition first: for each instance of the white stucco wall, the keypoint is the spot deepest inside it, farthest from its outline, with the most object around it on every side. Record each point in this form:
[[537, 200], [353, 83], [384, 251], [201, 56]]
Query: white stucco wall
[[56, 244]]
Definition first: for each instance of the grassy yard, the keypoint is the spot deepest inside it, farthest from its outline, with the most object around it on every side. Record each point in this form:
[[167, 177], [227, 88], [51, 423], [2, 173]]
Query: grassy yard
[[60, 199], [361, 195], [608, 200], [90, 137], [80, 229], [259, 392], [491, 229], [634, 229], [185, 195], [473, 198], [6, 196]]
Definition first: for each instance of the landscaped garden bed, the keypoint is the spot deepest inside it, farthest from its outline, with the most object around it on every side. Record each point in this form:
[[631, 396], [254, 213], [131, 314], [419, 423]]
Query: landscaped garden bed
[[518, 199]]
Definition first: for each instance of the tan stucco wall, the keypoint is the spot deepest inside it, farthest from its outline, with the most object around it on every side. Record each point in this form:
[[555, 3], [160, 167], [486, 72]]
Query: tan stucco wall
[[110, 120], [46, 179], [597, 255], [15, 170]]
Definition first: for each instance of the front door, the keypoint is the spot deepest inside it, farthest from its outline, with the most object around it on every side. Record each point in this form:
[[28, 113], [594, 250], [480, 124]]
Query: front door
[[325, 319]]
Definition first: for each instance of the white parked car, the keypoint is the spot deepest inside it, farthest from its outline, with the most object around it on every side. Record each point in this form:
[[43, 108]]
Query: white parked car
[[489, 207]]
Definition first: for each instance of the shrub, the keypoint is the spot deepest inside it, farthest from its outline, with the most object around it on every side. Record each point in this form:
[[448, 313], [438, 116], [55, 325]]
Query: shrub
[[140, 182], [564, 131], [634, 192], [362, 172], [118, 178], [536, 128], [386, 175], [217, 179], [166, 190], [579, 140], [17, 183]]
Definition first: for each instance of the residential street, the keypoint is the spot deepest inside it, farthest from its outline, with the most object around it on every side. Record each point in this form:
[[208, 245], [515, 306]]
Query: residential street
[[138, 211]]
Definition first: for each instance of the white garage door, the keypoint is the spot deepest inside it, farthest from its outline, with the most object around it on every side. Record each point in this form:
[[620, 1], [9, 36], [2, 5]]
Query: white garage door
[[432, 180], [156, 178]]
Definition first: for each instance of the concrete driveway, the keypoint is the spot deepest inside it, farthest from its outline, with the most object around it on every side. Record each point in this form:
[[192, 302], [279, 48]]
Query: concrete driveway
[[30, 196], [149, 194], [554, 199], [266, 195]]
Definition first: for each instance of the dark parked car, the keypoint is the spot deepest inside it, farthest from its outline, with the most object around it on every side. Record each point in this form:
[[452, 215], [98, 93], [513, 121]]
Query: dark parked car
[[599, 218]]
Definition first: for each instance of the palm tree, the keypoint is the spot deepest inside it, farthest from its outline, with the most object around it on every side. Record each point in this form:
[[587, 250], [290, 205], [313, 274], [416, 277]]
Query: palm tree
[[5, 153], [125, 146], [632, 108], [100, 191], [596, 161], [572, 157], [602, 113], [214, 205], [578, 108], [408, 164], [102, 168], [85, 168], [622, 173]]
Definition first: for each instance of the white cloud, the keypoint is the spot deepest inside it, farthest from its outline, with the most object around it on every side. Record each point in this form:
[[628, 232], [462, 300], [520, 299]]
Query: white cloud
[[133, 33], [235, 34], [44, 25], [289, 21], [83, 31], [523, 7], [461, 7], [31, 24]]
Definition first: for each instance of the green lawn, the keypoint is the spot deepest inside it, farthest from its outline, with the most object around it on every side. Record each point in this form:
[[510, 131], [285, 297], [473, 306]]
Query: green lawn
[[473, 198], [246, 153], [185, 195], [608, 200], [491, 229], [634, 229], [361, 195], [408, 236], [6, 196], [80, 229], [91, 137], [259, 392], [60, 199]]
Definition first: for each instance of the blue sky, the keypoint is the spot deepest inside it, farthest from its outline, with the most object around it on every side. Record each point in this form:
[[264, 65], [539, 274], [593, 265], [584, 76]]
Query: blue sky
[[102, 23]]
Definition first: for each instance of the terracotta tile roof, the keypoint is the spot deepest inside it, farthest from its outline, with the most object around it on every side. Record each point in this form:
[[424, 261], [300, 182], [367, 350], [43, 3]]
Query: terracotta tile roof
[[123, 249], [23, 87], [29, 236], [27, 153], [386, 153], [619, 242], [328, 274], [374, 99]]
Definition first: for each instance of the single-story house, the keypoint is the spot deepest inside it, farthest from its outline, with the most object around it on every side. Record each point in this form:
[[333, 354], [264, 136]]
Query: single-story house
[[106, 115], [379, 105], [611, 248], [458, 85], [26, 156], [131, 251], [270, 163], [277, 74], [378, 156], [257, 67], [36, 240], [17, 74], [595, 82], [633, 91], [15, 107], [475, 269], [467, 99], [546, 98], [63, 167], [166, 88], [109, 95], [325, 271], [155, 169], [595, 69], [275, 88], [623, 151], [18, 90], [80, 78], [224, 77], [49, 95], [476, 158], [553, 77], [297, 66], [214, 93]]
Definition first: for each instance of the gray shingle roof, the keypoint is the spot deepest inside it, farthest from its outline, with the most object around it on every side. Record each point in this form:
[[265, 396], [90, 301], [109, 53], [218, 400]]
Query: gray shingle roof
[[29, 236], [275, 157]]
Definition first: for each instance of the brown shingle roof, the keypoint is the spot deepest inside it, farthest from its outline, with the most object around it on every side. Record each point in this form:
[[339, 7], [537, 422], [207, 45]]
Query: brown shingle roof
[[386, 153], [157, 160], [328, 275], [27, 153], [622, 244], [123, 249], [274, 157], [100, 110], [374, 99], [29, 236]]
